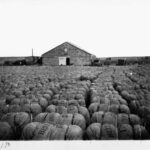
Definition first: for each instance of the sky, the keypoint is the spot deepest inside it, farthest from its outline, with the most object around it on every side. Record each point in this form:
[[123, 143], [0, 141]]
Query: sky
[[105, 28]]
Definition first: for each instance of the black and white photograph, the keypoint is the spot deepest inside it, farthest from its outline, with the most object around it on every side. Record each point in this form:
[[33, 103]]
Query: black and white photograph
[[74, 70]]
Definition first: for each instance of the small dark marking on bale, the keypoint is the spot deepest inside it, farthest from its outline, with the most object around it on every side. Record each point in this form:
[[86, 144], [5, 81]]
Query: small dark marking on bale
[[109, 132], [125, 132]]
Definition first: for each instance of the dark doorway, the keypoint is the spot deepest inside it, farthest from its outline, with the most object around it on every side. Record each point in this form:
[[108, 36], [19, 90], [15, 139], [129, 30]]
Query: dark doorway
[[67, 61], [39, 61]]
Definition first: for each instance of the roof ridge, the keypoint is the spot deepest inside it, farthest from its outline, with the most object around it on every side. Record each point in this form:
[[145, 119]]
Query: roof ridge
[[73, 44], [70, 43], [77, 47]]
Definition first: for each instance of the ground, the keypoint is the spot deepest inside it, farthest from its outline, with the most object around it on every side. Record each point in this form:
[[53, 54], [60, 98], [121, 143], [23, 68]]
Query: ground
[[111, 102]]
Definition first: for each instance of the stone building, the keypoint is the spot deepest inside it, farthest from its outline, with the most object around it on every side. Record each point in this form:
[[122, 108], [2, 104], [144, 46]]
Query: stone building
[[66, 54]]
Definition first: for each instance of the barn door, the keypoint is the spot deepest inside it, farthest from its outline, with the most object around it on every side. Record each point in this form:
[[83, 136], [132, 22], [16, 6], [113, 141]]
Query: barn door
[[67, 61], [62, 60]]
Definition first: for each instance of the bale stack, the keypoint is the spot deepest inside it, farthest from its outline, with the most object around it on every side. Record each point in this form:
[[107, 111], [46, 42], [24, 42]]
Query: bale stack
[[107, 103]]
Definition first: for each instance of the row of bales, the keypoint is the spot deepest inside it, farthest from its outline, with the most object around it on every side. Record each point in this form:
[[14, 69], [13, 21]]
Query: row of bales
[[58, 112], [20, 61], [104, 106], [120, 61], [116, 110]]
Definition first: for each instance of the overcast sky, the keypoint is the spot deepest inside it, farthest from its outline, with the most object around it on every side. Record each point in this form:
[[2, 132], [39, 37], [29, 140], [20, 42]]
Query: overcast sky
[[102, 27]]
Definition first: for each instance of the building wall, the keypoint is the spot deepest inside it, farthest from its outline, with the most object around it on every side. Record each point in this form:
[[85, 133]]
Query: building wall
[[77, 56], [53, 61], [81, 61], [77, 61]]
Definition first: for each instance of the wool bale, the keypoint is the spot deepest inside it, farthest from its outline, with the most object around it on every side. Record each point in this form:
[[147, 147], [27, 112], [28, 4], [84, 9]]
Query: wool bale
[[110, 118], [26, 108], [122, 119], [132, 97], [21, 119], [81, 102], [1, 115], [119, 88], [58, 132], [93, 131], [145, 134], [125, 132], [115, 93], [53, 102], [43, 103], [51, 108], [29, 130], [10, 118], [114, 108], [124, 109], [79, 120], [109, 132], [62, 103], [147, 123], [34, 100], [72, 109], [140, 132], [5, 109], [137, 132], [74, 132], [17, 93], [43, 132], [6, 132], [142, 102], [35, 109], [40, 117], [47, 97], [53, 118], [15, 101], [56, 96], [73, 102], [55, 90], [107, 101], [97, 117], [84, 111], [94, 107], [67, 119], [49, 92], [62, 96], [14, 108], [79, 96], [102, 100], [9, 98], [95, 99], [134, 119], [125, 95], [123, 101], [2, 102], [134, 106], [110, 87], [24, 101], [144, 111], [103, 107], [115, 102], [61, 110]]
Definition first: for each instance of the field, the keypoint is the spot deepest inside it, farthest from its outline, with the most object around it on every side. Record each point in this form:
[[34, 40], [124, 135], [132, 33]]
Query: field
[[75, 103]]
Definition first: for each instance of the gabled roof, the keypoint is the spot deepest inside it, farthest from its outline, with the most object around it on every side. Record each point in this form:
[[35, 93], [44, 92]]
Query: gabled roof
[[67, 43]]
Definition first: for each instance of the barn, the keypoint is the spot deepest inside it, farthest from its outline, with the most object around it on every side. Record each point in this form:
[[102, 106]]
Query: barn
[[66, 54]]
